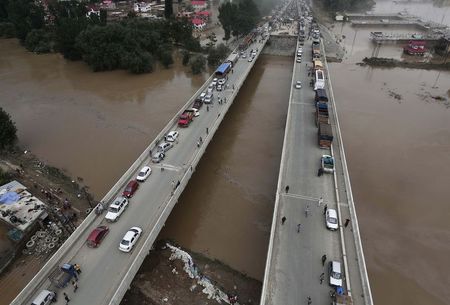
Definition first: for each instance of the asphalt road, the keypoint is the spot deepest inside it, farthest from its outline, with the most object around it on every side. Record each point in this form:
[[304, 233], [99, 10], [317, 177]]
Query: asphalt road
[[295, 264], [104, 267]]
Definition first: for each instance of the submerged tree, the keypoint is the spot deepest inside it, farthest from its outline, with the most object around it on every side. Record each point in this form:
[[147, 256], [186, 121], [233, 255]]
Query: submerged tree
[[8, 130]]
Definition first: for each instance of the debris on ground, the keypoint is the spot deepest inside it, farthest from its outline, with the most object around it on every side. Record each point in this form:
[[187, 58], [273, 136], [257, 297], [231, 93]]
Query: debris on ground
[[172, 275]]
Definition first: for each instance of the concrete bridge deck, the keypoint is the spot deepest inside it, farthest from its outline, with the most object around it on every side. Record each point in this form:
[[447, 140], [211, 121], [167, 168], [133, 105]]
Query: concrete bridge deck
[[294, 261], [107, 272]]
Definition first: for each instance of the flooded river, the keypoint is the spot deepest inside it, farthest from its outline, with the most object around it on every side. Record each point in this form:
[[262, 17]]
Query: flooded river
[[397, 140]]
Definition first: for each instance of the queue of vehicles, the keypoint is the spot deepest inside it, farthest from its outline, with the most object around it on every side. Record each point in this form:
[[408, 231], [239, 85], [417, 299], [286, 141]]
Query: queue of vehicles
[[63, 274]]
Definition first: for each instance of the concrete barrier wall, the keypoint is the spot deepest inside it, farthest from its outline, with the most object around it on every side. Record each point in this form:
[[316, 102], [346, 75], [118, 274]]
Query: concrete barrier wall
[[354, 219], [281, 45], [275, 216]]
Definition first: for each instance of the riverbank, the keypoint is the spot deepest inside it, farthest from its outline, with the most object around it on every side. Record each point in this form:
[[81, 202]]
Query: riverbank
[[394, 63], [172, 275], [52, 186]]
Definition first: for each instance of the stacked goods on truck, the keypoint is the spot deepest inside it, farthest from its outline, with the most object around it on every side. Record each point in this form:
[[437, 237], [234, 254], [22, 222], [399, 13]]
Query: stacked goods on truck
[[325, 135], [248, 40], [321, 112], [61, 276], [321, 96], [317, 65], [233, 58], [342, 300], [186, 118]]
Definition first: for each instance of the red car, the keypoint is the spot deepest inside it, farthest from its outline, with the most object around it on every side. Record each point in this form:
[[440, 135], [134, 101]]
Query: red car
[[130, 189], [96, 236]]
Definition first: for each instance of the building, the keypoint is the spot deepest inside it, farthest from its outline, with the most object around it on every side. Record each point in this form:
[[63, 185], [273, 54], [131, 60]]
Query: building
[[198, 24], [199, 5], [415, 47], [19, 208]]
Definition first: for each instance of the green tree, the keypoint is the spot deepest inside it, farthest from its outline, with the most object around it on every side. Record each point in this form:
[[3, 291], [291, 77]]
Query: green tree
[[197, 64], [168, 8], [66, 32], [7, 30], [186, 57], [217, 55], [166, 58], [227, 17], [4, 10], [26, 16], [8, 130], [39, 41], [139, 62]]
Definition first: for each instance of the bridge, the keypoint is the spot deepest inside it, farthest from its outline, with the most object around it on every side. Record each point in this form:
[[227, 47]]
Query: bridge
[[382, 37], [107, 272], [301, 247]]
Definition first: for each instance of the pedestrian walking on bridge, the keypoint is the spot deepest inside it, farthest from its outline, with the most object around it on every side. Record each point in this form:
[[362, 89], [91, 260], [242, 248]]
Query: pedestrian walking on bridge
[[283, 220], [320, 201], [306, 211], [66, 297], [324, 259], [321, 278], [287, 188], [309, 301], [299, 227]]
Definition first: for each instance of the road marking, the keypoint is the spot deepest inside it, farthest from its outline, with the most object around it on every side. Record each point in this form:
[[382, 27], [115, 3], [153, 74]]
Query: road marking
[[300, 197], [168, 167], [302, 103]]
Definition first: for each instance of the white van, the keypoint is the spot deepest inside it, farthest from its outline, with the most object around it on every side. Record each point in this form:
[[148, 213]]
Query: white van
[[45, 297], [335, 272]]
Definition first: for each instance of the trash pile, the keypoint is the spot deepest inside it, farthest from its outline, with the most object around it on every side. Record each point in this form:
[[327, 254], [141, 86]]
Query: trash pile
[[211, 290]]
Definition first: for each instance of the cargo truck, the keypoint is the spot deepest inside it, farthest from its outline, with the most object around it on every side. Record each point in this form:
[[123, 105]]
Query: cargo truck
[[325, 135], [61, 276], [321, 96], [321, 112], [186, 118]]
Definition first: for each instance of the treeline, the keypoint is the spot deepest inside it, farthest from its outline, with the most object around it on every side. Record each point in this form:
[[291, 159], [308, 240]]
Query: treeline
[[132, 44], [238, 18], [346, 5]]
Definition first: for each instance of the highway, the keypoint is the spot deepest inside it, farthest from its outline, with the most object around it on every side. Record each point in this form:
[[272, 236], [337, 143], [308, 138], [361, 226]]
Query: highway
[[106, 271], [294, 262]]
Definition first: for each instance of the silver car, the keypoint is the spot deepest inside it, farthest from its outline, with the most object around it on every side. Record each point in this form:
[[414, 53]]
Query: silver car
[[158, 157], [164, 146]]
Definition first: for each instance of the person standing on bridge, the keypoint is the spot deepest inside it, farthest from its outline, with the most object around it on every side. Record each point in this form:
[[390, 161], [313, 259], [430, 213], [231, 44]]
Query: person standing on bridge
[[307, 210], [325, 208], [287, 189], [322, 277], [283, 220], [320, 201], [299, 227], [66, 297], [309, 300], [347, 221], [75, 286], [324, 259]]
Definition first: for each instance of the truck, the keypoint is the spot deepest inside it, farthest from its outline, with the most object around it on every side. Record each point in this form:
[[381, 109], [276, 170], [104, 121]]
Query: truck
[[61, 276], [186, 118], [233, 58], [321, 95], [321, 112], [325, 135], [327, 164]]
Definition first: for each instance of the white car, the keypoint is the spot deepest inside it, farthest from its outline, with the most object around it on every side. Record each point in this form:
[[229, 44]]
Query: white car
[[144, 173], [172, 136], [250, 59], [196, 112], [331, 219], [244, 55], [214, 81], [298, 85], [219, 87], [202, 95], [130, 239], [165, 146], [116, 208], [298, 60], [335, 271], [221, 81]]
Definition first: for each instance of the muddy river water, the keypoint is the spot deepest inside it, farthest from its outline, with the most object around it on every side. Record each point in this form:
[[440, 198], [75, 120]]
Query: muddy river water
[[96, 124]]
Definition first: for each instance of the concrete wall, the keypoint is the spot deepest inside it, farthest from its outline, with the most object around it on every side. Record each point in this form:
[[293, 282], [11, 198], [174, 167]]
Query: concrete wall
[[281, 45]]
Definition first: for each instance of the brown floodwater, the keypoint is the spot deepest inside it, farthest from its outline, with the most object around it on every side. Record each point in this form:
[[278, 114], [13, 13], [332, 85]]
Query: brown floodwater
[[96, 124], [398, 152], [226, 210]]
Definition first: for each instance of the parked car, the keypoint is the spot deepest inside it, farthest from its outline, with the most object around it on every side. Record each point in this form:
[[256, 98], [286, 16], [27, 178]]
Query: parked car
[[116, 208], [298, 60], [172, 136], [331, 219], [130, 189], [158, 157], [298, 84], [45, 297], [130, 239], [95, 238], [208, 99], [334, 270], [202, 95], [164, 146], [244, 55], [219, 87], [144, 173], [214, 81], [222, 81], [196, 112]]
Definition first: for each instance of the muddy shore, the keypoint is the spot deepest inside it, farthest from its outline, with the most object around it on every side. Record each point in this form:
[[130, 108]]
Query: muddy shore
[[394, 63]]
